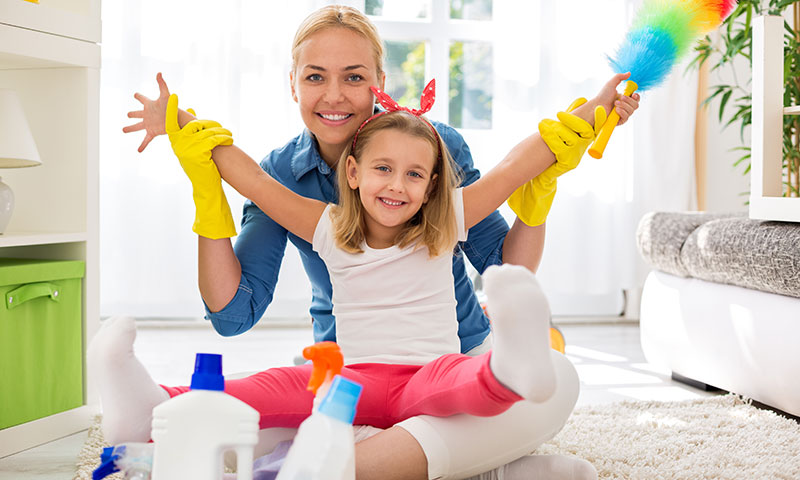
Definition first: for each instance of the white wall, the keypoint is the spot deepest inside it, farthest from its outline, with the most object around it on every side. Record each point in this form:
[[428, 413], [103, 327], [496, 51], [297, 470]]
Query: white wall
[[726, 186]]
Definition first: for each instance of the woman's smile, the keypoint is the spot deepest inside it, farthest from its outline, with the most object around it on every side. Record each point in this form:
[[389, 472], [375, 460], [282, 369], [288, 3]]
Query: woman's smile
[[334, 118]]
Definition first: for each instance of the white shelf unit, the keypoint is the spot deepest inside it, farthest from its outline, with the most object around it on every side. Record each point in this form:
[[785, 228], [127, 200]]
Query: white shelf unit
[[50, 54], [766, 186]]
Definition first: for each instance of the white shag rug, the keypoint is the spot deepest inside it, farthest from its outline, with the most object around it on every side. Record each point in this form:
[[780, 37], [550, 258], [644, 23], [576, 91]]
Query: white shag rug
[[713, 438]]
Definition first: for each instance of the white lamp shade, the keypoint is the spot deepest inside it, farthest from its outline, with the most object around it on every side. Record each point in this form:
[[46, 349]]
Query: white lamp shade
[[17, 148]]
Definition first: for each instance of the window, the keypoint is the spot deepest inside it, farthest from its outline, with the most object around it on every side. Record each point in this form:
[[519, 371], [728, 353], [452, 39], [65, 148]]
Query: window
[[398, 10], [405, 71], [452, 42], [471, 9], [471, 77]]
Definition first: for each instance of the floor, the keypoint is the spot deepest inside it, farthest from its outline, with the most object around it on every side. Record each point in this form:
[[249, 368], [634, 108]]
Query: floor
[[608, 359]]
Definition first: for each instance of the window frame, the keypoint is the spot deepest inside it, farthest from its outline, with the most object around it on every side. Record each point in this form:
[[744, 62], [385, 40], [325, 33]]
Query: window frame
[[437, 32]]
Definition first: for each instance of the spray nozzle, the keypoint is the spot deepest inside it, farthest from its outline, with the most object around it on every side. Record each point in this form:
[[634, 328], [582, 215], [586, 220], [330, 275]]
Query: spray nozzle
[[328, 361]]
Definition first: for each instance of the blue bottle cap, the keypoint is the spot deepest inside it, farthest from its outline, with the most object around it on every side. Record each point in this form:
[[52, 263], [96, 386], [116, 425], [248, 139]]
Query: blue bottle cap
[[208, 372], [341, 400]]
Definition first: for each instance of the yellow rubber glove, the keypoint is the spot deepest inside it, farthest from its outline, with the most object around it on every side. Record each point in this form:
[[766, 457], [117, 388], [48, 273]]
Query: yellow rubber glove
[[192, 145], [568, 138]]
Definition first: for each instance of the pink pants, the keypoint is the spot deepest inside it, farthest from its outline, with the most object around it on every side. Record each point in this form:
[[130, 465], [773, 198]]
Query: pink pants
[[449, 385]]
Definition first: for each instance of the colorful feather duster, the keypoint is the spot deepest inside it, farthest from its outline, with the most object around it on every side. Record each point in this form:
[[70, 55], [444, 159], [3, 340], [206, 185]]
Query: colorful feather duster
[[661, 33]]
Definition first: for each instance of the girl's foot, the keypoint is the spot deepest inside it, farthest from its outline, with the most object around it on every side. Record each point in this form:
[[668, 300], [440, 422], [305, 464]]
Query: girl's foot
[[520, 318], [127, 392]]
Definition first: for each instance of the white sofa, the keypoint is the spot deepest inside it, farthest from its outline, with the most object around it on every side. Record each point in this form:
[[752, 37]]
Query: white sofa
[[722, 306]]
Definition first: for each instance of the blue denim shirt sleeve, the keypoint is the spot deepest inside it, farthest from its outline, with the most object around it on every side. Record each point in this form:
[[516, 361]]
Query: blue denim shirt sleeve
[[261, 244], [259, 247]]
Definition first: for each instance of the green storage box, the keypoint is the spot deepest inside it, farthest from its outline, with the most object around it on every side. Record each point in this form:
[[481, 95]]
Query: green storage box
[[41, 341]]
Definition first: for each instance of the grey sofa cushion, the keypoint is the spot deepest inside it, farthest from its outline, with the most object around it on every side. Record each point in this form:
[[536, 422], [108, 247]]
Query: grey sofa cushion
[[661, 236], [730, 249]]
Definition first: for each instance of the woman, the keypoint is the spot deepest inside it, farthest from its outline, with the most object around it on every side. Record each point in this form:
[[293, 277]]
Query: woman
[[337, 55]]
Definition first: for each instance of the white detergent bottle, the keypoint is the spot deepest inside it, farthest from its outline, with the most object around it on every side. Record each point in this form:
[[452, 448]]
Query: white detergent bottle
[[192, 431], [323, 448]]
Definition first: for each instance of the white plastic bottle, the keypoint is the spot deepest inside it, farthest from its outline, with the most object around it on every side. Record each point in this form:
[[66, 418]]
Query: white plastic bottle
[[192, 431], [323, 448]]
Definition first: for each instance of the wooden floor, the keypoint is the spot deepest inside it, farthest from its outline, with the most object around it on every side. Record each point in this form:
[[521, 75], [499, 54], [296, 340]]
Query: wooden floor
[[608, 358]]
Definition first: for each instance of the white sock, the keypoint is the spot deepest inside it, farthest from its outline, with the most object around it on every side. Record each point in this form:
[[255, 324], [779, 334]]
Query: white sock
[[127, 392], [520, 318], [542, 467]]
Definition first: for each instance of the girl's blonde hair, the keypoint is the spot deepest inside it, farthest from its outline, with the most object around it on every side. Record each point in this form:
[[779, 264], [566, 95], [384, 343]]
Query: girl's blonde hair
[[434, 225], [340, 16]]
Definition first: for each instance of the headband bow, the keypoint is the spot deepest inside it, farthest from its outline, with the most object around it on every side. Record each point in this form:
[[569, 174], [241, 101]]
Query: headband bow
[[425, 101], [425, 105]]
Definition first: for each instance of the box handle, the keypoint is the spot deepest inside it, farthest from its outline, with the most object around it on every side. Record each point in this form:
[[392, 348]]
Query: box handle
[[30, 291]]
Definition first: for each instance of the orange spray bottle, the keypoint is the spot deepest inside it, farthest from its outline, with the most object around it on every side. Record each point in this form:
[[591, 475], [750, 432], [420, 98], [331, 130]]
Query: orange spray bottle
[[328, 362], [323, 448]]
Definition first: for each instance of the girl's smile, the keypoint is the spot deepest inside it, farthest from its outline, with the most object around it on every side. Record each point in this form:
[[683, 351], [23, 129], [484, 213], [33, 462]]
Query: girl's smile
[[391, 203]]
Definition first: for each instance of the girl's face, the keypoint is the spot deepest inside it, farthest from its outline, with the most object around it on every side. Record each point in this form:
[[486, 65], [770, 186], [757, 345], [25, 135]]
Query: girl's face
[[394, 179], [335, 68]]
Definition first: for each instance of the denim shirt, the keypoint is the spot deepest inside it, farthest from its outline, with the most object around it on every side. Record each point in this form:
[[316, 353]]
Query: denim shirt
[[261, 244]]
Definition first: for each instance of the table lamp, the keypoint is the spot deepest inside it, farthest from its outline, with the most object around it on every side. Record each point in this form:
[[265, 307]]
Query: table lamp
[[17, 148]]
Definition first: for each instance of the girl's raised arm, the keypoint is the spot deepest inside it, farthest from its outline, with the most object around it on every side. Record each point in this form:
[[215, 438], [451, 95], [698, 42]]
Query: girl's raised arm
[[526, 160], [293, 212]]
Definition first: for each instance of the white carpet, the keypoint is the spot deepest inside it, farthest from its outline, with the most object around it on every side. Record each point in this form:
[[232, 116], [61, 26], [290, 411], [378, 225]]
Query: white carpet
[[713, 438]]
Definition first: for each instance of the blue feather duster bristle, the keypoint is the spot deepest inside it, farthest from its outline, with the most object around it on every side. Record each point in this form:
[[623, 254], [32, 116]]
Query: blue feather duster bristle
[[661, 34], [648, 54]]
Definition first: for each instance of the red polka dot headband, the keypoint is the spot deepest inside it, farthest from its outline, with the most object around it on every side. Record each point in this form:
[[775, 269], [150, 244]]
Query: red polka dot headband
[[425, 102]]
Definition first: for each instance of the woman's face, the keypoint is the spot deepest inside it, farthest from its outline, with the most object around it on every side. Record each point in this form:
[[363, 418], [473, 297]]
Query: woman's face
[[335, 68]]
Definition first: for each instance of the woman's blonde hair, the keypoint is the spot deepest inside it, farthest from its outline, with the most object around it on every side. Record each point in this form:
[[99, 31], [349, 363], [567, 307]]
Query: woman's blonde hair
[[338, 16], [434, 225]]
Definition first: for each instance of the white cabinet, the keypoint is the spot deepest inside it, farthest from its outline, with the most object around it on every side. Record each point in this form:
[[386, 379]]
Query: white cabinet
[[766, 173], [79, 19], [50, 54]]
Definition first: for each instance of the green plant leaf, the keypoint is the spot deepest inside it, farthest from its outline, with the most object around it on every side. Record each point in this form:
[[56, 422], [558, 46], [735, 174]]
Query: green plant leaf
[[741, 159], [735, 101], [725, 97]]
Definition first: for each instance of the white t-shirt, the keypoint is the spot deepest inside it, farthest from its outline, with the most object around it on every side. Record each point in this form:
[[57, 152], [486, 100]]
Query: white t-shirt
[[392, 305]]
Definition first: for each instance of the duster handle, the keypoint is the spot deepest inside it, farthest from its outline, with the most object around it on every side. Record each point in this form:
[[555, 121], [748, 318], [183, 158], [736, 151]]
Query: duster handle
[[599, 145]]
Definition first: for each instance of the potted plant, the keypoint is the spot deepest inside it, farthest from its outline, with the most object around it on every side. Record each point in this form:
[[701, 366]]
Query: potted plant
[[735, 101]]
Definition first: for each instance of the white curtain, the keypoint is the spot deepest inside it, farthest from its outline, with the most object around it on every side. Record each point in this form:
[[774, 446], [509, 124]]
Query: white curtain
[[230, 62]]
